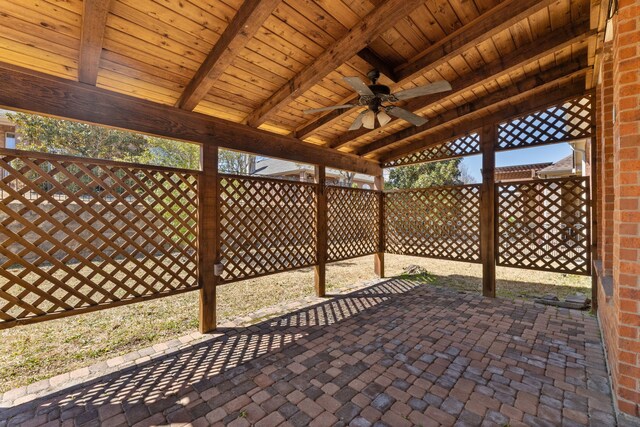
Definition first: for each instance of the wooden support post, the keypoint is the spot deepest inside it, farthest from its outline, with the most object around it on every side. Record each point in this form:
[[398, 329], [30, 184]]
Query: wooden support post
[[487, 211], [208, 239], [321, 229], [379, 256]]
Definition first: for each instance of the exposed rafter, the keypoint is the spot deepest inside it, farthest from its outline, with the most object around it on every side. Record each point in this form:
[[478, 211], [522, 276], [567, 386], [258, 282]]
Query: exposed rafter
[[378, 63], [32, 91], [523, 89], [94, 21], [512, 109], [540, 48], [359, 37], [240, 30], [496, 20], [480, 29]]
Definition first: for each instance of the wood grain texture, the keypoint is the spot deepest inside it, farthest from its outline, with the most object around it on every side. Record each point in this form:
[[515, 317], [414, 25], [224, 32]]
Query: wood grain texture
[[380, 19], [30, 91], [241, 29], [94, 21], [378, 257], [475, 33], [488, 140], [526, 87], [320, 269], [485, 26], [531, 53], [208, 237], [377, 63]]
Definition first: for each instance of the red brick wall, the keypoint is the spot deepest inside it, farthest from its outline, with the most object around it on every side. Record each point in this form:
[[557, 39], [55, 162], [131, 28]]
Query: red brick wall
[[620, 315], [605, 186]]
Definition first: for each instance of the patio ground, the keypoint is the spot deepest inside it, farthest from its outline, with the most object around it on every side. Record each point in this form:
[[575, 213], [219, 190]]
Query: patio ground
[[35, 352], [395, 353]]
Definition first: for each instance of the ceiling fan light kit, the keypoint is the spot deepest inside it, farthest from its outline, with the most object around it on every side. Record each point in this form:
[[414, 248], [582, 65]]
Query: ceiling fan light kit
[[383, 118], [369, 119], [374, 95]]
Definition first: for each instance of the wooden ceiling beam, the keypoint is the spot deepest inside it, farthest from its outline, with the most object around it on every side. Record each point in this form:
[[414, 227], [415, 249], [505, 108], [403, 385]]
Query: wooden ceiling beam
[[94, 22], [512, 111], [359, 37], [485, 26], [372, 58], [31, 91], [540, 48], [247, 21], [520, 90]]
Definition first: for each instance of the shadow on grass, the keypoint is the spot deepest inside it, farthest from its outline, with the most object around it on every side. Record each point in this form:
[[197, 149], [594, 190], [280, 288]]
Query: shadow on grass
[[504, 288]]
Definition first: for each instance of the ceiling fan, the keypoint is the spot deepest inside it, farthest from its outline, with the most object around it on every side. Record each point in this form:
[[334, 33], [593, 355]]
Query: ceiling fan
[[375, 96]]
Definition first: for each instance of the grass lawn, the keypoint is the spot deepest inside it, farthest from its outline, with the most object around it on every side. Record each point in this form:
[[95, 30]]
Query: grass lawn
[[34, 352]]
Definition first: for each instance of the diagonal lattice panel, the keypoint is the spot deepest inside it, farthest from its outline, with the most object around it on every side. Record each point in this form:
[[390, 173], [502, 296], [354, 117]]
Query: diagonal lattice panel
[[80, 234], [266, 226], [352, 222], [544, 225], [436, 222], [463, 146], [566, 122]]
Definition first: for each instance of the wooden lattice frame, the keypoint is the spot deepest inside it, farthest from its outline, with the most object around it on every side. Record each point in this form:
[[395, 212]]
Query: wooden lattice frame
[[266, 226], [352, 222], [566, 122], [544, 225], [464, 146], [81, 234], [436, 222]]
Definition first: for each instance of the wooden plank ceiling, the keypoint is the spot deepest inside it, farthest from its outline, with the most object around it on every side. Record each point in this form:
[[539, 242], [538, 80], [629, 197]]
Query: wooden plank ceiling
[[261, 63]]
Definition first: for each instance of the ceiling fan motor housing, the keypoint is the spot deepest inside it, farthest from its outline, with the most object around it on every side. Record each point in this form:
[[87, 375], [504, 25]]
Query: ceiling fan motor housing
[[375, 102], [380, 89]]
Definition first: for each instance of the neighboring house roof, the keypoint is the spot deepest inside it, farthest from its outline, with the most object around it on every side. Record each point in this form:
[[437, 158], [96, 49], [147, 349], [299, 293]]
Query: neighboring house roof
[[561, 167], [276, 167], [523, 168]]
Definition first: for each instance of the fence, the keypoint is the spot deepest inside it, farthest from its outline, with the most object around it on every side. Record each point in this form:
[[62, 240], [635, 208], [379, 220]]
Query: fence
[[99, 234], [544, 225], [81, 234], [437, 222], [353, 221], [266, 226]]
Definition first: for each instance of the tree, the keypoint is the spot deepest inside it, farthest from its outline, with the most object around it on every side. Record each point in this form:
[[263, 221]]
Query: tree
[[45, 134], [346, 178], [235, 162], [165, 152], [426, 174]]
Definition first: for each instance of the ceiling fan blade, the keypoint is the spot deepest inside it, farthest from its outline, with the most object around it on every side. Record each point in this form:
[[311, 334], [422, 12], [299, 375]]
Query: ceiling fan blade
[[437, 87], [359, 86], [357, 123], [403, 114], [333, 107]]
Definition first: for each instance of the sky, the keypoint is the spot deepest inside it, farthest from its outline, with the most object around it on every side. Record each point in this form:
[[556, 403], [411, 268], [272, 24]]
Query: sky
[[547, 153]]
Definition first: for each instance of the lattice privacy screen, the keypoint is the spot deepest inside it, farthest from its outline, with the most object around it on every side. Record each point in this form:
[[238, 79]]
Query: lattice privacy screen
[[352, 222], [544, 225], [77, 236], [437, 222], [266, 226], [464, 146], [566, 122]]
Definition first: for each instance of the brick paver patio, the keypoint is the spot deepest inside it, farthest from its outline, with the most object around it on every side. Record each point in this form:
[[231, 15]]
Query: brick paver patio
[[396, 354]]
